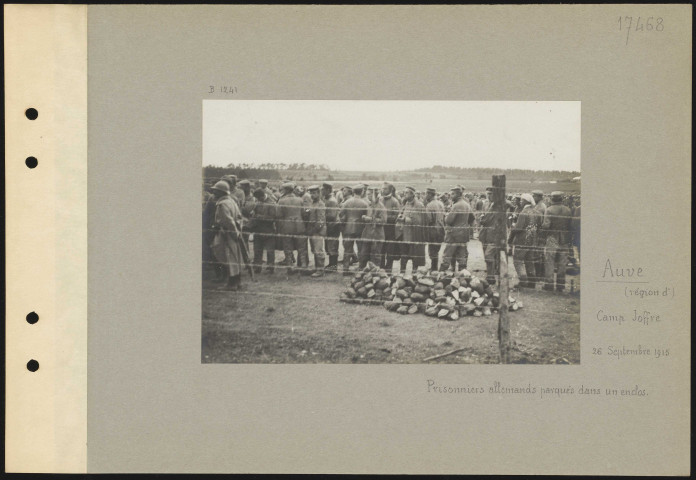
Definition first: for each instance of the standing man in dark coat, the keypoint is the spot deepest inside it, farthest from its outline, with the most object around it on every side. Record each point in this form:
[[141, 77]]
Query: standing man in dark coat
[[523, 237], [434, 226], [411, 221], [316, 229], [491, 251], [291, 228], [392, 206], [556, 225], [351, 214], [539, 260], [333, 226], [373, 233], [263, 226], [575, 224], [458, 224]]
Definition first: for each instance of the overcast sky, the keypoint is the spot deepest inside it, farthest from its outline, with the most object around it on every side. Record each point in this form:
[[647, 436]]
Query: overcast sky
[[393, 135]]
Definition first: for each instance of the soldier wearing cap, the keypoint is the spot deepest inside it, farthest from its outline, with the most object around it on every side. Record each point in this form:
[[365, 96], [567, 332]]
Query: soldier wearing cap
[[263, 226], [316, 229], [333, 226], [523, 236], [393, 206], [291, 227], [410, 223], [351, 215], [458, 222], [487, 237], [434, 226], [556, 226], [226, 246], [372, 237]]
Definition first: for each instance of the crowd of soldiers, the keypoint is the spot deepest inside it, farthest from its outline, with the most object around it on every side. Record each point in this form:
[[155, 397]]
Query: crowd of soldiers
[[383, 226]]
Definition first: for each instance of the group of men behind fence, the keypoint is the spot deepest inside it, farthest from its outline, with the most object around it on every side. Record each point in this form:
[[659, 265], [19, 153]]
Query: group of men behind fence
[[377, 225]]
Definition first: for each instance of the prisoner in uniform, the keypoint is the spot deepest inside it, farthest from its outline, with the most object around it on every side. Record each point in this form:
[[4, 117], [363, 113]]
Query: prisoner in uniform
[[280, 241], [373, 233], [411, 221], [346, 194], [575, 224], [557, 228], [491, 251], [291, 228], [270, 196], [393, 206], [263, 226], [316, 229], [458, 225], [523, 238], [434, 226], [351, 214], [333, 226], [540, 208]]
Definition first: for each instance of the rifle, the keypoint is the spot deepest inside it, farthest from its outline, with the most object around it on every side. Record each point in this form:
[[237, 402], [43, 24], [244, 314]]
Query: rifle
[[245, 255]]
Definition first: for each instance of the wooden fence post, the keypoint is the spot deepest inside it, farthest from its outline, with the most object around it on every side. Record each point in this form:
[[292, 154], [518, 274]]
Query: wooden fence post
[[500, 207]]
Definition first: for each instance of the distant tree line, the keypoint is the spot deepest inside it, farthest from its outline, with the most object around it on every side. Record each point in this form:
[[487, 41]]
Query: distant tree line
[[279, 166], [211, 172], [513, 173]]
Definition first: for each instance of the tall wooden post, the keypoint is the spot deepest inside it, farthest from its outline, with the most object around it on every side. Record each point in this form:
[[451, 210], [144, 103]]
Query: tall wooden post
[[500, 207]]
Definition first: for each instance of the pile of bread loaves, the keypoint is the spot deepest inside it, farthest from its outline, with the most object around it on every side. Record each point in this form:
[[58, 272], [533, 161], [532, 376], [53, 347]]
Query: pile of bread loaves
[[447, 295]]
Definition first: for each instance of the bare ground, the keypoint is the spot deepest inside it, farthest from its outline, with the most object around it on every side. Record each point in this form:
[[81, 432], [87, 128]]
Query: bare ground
[[297, 319]]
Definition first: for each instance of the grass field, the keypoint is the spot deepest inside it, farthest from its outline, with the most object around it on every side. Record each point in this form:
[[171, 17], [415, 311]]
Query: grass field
[[297, 319], [420, 182]]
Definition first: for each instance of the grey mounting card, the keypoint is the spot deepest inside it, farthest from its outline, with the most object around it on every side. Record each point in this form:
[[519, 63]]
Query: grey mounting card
[[150, 359]]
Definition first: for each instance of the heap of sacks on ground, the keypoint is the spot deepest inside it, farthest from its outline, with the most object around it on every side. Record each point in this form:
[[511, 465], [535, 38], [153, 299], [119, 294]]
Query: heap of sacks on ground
[[447, 295]]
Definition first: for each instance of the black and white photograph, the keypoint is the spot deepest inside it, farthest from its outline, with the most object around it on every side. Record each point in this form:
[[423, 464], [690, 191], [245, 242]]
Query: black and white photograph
[[391, 232]]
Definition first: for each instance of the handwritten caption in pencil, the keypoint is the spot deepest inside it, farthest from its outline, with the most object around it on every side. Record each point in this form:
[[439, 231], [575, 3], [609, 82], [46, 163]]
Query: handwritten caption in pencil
[[640, 25]]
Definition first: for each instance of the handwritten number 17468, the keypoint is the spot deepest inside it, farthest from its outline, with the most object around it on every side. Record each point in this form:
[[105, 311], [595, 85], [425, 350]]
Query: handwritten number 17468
[[651, 24]]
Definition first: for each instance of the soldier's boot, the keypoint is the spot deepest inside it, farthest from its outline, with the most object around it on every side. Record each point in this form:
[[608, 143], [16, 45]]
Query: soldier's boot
[[318, 267], [490, 272], [289, 266], [346, 263], [333, 264], [560, 284]]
